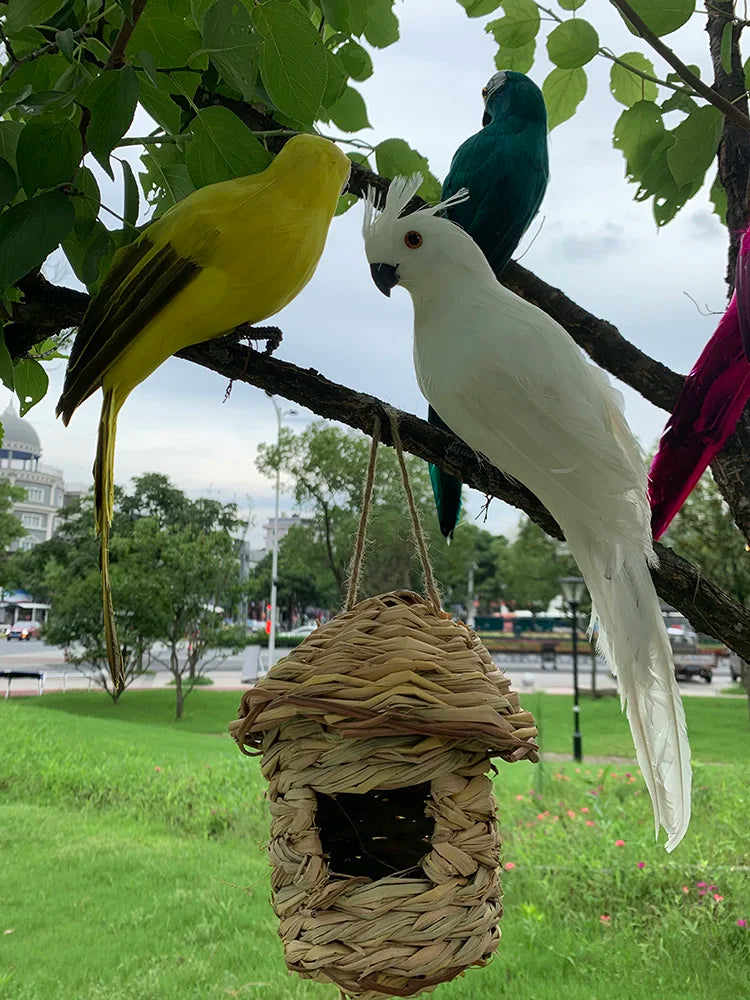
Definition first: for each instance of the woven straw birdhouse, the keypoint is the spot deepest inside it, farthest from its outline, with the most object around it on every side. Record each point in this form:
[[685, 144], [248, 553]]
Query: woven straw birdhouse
[[376, 736]]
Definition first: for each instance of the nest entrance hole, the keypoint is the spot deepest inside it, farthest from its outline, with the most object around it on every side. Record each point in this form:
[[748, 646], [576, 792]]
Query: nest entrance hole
[[377, 834]]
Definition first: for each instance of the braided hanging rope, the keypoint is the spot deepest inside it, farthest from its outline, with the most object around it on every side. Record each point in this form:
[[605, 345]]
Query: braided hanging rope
[[416, 524], [359, 547]]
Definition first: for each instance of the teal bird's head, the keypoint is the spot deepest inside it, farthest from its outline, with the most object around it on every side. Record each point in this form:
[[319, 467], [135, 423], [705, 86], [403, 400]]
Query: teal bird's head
[[508, 94]]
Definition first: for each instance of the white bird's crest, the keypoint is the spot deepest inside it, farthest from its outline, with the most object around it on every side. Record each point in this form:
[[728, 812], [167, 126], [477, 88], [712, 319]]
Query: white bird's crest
[[400, 193]]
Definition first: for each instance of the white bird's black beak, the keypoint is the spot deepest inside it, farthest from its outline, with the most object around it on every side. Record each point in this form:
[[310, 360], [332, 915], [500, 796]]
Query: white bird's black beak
[[385, 276]]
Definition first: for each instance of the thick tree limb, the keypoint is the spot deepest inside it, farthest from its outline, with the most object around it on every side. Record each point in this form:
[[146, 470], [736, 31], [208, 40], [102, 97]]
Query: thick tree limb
[[678, 581]]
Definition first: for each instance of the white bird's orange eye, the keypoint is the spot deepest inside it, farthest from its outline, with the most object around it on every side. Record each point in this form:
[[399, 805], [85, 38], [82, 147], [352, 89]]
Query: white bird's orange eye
[[484, 93], [413, 239]]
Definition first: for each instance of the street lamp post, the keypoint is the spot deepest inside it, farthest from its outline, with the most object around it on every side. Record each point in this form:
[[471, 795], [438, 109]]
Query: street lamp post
[[275, 538], [573, 591]]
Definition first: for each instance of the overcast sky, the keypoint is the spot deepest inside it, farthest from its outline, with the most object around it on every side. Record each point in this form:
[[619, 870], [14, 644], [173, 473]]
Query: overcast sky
[[597, 244]]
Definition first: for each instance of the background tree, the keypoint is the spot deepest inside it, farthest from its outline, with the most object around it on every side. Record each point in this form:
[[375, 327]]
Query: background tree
[[534, 564], [226, 83], [174, 565], [704, 532], [325, 466], [11, 528]]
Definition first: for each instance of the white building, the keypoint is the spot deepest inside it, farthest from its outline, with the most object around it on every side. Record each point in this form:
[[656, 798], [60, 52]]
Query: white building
[[285, 523], [45, 490]]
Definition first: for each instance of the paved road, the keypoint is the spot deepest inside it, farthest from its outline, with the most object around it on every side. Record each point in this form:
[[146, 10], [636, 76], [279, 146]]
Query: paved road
[[525, 675]]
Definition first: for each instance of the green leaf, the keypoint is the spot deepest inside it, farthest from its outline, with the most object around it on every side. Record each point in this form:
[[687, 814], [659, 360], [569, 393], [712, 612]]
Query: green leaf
[[48, 153], [8, 101], [696, 141], [678, 102], [30, 231], [223, 148], [571, 4], [31, 382], [293, 63], [718, 198], [168, 35], [130, 197], [628, 88], [158, 101], [518, 27], [8, 183], [9, 133], [345, 203], [638, 131], [336, 82], [381, 29], [572, 43], [338, 13], [667, 206], [521, 60], [563, 90], [395, 156], [199, 8], [233, 49], [86, 253], [23, 13], [355, 60], [147, 62], [86, 204], [662, 16], [165, 184], [726, 47], [349, 112], [6, 365], [65, 43], [111, 98], [478, 8]]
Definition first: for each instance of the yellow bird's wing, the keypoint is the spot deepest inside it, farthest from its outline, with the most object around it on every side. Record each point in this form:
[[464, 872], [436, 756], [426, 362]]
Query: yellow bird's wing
[[143, 278]]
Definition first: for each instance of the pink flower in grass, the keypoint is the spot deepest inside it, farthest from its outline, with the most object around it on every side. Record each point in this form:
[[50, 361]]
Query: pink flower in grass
[[619, 843], [742, 923], [718, 898], [701, 885], [685, 889], [572, 813], [585, 809], [605, 918], [590, 822], [628, 774], [641, 864], [509, 866], [519, 798], [157, 769], [701, 892]]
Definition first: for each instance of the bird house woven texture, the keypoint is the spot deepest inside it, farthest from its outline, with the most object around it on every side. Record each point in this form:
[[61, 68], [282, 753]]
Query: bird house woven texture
[[376, 735]]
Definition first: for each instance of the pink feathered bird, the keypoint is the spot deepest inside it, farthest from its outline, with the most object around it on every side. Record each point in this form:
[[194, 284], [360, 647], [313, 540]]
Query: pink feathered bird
[[708, 407]]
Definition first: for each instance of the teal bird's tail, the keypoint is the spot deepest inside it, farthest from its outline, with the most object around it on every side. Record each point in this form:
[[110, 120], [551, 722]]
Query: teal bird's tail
[[445, 488]]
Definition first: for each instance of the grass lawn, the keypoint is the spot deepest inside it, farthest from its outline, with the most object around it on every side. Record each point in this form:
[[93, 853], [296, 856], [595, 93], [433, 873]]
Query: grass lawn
[[133, 866]]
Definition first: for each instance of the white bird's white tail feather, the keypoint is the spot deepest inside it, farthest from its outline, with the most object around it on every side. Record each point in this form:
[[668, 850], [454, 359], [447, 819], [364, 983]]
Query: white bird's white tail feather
[[633, 639]]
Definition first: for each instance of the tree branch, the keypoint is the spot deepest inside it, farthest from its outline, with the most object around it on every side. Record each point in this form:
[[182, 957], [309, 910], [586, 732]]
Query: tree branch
[[49, 308], [117, 52], [678, 581], [684, 72]]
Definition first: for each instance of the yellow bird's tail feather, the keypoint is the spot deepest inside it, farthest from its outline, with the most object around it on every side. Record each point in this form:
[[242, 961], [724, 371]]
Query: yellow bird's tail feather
[[104, 488]]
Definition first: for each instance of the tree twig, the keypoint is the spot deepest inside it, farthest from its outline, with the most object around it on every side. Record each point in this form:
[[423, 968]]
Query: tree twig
[[726, 107], [117, 52]]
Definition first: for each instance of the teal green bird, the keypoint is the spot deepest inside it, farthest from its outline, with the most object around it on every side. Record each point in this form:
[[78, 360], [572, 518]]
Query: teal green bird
[[506, 169]]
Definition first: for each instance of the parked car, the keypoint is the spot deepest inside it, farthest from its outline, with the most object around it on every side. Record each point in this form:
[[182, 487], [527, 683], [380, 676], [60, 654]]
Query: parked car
[[303, 629], [23, 630]]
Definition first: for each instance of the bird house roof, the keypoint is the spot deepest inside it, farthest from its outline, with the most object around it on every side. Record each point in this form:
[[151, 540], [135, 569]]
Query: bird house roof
[[392, 666]]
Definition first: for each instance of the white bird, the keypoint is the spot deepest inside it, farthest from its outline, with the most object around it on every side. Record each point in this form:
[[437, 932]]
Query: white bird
[[510, 381]]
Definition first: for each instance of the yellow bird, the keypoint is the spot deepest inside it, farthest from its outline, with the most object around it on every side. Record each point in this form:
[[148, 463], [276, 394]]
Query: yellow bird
[[230, 253]]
